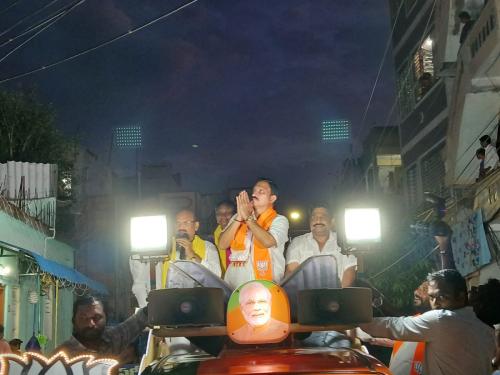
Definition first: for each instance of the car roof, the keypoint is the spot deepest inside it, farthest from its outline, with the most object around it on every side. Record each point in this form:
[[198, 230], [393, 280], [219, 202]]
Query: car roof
[[262, 360]]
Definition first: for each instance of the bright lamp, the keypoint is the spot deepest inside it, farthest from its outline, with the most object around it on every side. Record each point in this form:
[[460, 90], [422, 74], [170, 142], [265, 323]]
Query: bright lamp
[[148, 233], [362, 225]]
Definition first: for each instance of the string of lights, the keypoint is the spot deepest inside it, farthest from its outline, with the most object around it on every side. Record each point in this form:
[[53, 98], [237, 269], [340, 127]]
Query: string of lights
[[99, 46]]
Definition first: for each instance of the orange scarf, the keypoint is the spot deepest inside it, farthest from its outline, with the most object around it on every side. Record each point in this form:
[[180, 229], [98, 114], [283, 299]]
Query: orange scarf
[[262, 265]]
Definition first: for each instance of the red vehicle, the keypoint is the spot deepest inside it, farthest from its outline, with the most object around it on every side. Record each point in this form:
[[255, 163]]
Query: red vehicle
[[261, 327]]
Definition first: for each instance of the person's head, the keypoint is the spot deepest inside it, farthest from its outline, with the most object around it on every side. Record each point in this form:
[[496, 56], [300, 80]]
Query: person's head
[[223, 213], [185, 221], [89, 318], [480, 153], [15, 344], [464, 16], [485, 300], [320, 221], [447, 290], [264, 194], [255, 304], [421, 298], [485, 140]]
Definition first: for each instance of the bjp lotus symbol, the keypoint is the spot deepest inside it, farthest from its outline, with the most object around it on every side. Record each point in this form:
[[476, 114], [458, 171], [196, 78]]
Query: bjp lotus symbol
[[59, 364]]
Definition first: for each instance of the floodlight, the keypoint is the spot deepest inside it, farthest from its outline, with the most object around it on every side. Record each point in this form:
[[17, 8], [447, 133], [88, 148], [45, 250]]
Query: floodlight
[[295, 215], [148, 233], [362, 225]]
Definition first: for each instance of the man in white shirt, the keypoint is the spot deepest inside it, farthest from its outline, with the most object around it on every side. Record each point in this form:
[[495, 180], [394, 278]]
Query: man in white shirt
[[321, 241], [457, 342], [256, 236], [491, 155]]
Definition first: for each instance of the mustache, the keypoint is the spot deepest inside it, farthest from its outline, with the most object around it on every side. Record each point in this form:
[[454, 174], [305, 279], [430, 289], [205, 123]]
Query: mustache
[[318, 224]]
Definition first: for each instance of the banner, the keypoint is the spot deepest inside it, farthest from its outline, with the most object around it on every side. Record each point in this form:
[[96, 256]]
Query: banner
[[469, 245]]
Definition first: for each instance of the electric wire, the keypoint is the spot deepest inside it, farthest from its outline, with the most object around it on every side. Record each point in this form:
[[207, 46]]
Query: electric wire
[[28, 17], [71, 8], [99, 46], [31, 28], [9, 6], [381, 65], [408, 71]]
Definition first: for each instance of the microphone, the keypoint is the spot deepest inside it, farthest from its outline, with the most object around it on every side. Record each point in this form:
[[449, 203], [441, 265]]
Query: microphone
[[178, 248]]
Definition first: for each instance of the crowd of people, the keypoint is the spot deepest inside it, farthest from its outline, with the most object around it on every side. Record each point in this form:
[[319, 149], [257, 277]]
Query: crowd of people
[[456, 329]]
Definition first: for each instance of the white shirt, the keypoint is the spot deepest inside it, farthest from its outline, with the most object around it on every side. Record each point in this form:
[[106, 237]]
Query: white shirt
[[305, 246], [211, 259], [235, 276], [490, 157], [457, 342]]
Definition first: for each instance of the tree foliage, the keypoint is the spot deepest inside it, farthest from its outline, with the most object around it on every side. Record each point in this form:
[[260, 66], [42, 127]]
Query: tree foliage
[[27, 131]]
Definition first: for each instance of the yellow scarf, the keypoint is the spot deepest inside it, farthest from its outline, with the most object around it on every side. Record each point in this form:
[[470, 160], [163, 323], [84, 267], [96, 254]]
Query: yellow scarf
[[262, 265], [198, 247], [222, 252]]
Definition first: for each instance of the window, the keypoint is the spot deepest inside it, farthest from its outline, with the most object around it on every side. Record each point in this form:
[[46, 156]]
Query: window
[[433, 172], [423, 68], [416, 78]]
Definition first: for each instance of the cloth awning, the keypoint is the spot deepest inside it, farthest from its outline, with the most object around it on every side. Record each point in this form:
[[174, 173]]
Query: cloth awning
[[59, 270], [64, 272]]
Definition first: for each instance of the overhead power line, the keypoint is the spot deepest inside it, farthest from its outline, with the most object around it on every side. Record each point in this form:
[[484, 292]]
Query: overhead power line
[[381, 65], [27, 17], [67, 11], [33, 27], [101, 45], [9, 6]]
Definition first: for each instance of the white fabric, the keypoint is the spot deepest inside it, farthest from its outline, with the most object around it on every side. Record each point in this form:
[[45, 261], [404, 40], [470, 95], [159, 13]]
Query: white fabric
[[490, 157], [235, 276], [305, 246], [457, 342], [211, 260], [140, 270]]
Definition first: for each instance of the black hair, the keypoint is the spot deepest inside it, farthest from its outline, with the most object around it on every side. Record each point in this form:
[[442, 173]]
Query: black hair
[[272, 184], [480, 151], [452, 280], [1, 329], [226, 203], [464, 14], [486, 302], [485, 138], [87, 301]]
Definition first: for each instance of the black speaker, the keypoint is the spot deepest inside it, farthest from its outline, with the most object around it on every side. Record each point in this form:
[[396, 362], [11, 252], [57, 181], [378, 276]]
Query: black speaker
[[181, 307], [334, 306]]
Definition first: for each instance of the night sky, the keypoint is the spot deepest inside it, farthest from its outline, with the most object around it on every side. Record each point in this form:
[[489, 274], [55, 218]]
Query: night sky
[[248, 81]]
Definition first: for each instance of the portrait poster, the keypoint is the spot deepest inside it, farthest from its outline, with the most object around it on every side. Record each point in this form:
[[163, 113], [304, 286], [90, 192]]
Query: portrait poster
[[258, 312]]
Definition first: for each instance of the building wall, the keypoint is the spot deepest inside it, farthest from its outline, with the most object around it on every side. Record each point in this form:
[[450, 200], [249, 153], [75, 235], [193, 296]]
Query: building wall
[[21, 319]]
